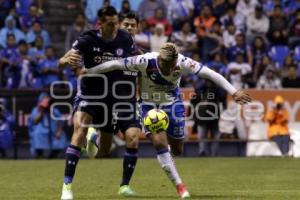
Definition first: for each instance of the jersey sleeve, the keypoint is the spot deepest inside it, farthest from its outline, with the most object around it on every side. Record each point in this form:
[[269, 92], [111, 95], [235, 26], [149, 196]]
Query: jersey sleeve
[[136, 63], [190, 66], [80, 43]]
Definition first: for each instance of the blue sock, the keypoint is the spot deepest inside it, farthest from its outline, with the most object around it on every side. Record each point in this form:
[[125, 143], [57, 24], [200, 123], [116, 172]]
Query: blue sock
[[72, 158], [129, 162]]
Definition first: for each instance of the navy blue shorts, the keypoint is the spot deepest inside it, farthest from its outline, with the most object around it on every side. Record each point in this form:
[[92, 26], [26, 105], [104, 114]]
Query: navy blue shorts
[[176, 114], [109, 115]]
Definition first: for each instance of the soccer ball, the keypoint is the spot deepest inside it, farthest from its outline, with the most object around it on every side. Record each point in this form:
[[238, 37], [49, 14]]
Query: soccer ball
[[156, 120]]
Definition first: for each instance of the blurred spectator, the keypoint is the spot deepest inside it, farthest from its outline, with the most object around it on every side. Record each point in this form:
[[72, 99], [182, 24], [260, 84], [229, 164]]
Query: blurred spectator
[[294, 32], [74, 30], [159, 18], [259, 49], [7, 57], [5, 6], [231, 126], [147, 8], [46, 129], [288, 61], [180, 11], [207, 103], [204, 22], [125, 8], [185, 39], [278, 54], [142, 37], [218, 7], [292, 6], [24, 5], [10, 28], [28, 19], [7, 124], [158, 38], [241, 47], [229, 35], [269, 5], [37, 51], [20, 71], [237, 71], [218, 64], [292, 80], [71, 76], [91, 8], [257, 24], [48, 68], [269, 80], [35, 31], [278, 31], [260, 67], [278, 130], [212, 42], [231, 4], [245, 8], [231, 17]]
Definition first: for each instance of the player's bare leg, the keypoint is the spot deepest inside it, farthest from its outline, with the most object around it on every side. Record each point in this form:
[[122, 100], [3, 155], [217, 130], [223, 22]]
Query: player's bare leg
[[105, 141], [176, 146], [130, 160], [80, 120], [165, 160]]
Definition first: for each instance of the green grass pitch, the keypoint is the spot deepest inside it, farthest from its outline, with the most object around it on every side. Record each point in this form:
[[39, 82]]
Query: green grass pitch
[[212, 178]]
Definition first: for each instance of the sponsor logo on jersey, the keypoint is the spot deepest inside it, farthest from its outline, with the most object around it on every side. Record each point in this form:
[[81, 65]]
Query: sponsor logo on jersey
[[97, 49], [97, 59], [119, 52], [129, 73]]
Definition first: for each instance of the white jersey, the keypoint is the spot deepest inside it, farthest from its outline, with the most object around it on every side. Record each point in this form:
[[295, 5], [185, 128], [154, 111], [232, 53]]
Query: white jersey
[[157, 88]]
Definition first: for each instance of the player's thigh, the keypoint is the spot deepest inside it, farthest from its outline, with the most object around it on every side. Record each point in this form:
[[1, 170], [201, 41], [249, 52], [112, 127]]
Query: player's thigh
[[106, 139], [132, 137], [176, 146]]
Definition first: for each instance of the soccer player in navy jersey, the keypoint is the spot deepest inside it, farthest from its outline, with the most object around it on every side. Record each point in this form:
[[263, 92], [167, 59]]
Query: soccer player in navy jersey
[[103, 102]]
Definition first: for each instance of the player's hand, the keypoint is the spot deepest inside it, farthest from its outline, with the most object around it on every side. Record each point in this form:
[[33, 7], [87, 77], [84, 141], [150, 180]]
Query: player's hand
[[241, 97], [72, 58]]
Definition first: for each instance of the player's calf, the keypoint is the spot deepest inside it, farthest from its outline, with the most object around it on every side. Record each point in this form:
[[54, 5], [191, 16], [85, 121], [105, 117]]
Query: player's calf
[[176, 146], [73, 152]]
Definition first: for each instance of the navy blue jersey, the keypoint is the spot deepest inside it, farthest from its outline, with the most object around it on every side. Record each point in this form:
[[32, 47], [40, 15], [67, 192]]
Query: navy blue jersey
[[95, 50]]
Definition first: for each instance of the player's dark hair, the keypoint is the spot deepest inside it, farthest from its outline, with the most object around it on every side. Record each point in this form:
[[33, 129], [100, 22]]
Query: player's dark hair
[[129, 15], [107, 11]]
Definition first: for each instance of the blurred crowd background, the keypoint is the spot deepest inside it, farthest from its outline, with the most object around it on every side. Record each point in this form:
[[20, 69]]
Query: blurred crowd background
[[255, 44]]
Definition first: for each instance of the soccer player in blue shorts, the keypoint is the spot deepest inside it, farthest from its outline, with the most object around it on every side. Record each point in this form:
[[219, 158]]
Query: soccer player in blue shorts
[[101, 101], [161, 73]]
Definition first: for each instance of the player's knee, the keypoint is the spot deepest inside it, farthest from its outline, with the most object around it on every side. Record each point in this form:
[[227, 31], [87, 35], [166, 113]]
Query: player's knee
[[132, 138]]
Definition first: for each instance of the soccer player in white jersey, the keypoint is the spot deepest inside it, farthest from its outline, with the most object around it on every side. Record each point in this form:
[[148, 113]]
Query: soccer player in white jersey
[[161, 73]]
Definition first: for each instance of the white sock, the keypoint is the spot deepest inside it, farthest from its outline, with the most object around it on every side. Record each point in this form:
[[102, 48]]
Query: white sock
[[167, 164]]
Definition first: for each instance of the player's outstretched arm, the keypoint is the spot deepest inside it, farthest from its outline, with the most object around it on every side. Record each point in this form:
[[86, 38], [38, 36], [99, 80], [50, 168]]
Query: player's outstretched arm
[[107, 67], [238, 95]]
